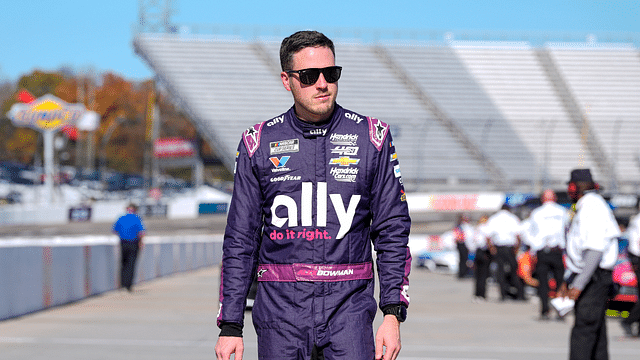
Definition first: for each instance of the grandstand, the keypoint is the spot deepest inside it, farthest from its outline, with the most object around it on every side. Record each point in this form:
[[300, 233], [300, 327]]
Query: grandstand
[[465, 115]]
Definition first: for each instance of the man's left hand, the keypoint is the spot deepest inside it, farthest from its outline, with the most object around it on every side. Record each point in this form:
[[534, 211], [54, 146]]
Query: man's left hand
[[388, 337]]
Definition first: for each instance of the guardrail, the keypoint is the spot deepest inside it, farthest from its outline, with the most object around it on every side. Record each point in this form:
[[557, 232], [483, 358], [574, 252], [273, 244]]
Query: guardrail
[[39, 274]]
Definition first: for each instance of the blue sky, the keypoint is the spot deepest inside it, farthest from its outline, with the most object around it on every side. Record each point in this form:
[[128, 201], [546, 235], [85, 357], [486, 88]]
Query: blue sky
[[83, 35]]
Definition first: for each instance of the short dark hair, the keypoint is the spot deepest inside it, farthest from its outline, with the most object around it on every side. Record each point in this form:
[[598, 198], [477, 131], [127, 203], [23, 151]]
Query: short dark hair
[[300, 40]]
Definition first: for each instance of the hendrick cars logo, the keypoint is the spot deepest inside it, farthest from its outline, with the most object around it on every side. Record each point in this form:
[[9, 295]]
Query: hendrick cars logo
[[45, 113]]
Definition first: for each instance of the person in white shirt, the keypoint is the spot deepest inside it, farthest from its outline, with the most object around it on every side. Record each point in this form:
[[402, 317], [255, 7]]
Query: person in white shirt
[[546, 237], [463, 233], [592, 251], [633, 252], [503, 235], [482, 259]]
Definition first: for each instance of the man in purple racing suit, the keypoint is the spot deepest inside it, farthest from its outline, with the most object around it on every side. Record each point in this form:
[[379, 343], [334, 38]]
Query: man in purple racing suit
[[314, 188]]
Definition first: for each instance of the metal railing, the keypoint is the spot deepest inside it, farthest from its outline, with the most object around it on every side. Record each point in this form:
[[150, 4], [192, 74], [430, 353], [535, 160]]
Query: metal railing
[[384, 35]]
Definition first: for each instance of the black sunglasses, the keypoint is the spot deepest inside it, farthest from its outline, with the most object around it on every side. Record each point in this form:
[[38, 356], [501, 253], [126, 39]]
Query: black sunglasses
[[310, 76]]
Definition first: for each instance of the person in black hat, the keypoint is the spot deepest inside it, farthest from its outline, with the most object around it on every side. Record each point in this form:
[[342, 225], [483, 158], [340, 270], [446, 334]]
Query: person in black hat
[[592, 251]]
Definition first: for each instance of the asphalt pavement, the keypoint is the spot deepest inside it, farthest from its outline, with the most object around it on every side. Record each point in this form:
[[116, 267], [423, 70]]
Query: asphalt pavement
[[174, 318]]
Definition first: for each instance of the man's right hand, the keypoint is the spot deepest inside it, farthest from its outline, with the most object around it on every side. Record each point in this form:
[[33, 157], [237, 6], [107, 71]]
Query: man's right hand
[[563, 291], [228, 345]]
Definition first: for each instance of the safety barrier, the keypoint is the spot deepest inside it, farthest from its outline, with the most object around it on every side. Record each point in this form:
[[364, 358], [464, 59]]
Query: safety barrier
[[105, 211], [36, 274]]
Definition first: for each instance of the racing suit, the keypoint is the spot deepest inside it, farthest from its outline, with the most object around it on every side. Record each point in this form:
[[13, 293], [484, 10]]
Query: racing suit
[[308, 202]]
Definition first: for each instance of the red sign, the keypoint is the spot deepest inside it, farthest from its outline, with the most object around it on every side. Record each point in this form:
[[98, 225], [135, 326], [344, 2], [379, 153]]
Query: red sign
[[455, 202], [173, 147], [25, 96]]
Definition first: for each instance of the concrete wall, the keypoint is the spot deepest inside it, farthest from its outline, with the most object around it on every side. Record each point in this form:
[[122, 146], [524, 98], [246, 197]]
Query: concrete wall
[[36, 274], [29, 214], [101, 211]]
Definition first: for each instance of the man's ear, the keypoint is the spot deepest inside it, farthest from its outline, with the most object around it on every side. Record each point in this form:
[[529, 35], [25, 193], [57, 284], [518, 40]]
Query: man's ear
[[285, 80]]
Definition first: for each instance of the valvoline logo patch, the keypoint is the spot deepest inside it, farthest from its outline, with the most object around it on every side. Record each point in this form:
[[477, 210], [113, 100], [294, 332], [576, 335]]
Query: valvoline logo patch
[[279, 162]]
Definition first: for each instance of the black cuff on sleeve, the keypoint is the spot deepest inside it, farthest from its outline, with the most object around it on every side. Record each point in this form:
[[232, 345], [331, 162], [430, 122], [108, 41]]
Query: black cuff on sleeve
[[397, 310], [231, 329], [385, 309]]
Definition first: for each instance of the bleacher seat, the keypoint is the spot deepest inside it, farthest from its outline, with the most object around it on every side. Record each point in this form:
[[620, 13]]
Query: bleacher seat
[[498, 96], [605, 80]]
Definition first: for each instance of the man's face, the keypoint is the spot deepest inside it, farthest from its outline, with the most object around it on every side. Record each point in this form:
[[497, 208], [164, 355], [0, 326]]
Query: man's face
[[313, 103], [572, 191]]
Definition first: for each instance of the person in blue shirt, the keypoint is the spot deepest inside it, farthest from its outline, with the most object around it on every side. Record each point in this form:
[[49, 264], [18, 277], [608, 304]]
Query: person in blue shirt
[[130, 229]]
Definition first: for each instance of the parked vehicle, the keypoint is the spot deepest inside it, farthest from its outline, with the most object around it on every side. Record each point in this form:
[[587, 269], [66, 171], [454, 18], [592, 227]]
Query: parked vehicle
[[435, 252]]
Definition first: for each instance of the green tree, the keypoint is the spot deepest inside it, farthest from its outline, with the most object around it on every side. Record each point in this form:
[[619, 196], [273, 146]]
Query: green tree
[[122, 106]]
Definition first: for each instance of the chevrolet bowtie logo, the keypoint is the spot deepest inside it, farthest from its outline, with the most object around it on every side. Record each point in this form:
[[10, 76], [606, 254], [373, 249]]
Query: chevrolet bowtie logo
[[344, 161]]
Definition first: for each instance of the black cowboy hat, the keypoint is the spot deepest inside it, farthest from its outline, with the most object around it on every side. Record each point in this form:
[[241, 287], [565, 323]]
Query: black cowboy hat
[[581, 175]]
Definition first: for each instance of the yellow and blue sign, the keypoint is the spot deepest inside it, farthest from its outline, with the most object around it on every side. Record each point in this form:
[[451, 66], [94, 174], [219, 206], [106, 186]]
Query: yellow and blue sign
[[47, 113]]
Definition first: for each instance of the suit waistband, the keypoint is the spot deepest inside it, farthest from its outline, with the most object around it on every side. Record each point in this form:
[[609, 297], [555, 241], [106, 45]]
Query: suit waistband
[[314, 272]]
